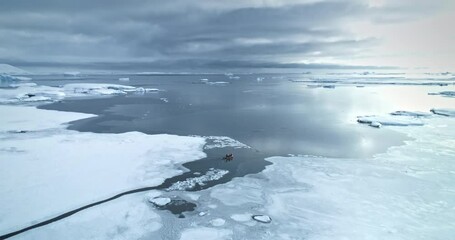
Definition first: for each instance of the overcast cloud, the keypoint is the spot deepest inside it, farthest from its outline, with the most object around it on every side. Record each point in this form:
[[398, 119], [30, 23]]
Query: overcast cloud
[[215, 35]]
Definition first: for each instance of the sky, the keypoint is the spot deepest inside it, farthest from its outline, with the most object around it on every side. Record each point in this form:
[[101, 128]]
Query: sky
[[218, 35]]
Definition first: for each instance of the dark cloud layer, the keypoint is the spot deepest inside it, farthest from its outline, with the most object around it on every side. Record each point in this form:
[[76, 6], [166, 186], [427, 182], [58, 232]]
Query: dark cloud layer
[[199, 35]]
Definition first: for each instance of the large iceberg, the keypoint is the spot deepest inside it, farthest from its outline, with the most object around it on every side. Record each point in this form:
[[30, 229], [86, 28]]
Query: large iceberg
[[11, 70]]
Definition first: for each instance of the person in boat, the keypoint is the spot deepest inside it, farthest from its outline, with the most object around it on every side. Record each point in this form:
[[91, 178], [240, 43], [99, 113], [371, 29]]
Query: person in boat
[[229, 157]]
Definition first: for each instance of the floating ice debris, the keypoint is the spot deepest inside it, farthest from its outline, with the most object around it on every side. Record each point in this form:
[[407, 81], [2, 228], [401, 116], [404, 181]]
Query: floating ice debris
[[223, 142], [217, 222], [390, 120], [217, 83], [444, 93], [376, 124], [160, 201], [204, 80], [260, 79], [164, 100], [444, 112], [411, 113], [241, 217], [206, 233], [71, 74], [262, 218], [190, 183], [201, 214], [97, 88], [124, 79], [142, 90], [77, 89], [234, 77]]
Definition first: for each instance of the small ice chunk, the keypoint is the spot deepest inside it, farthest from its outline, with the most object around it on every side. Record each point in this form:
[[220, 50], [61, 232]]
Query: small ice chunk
[[241, 217], [444, 112], [151, 90], [204, 80], [201, 214], [375, 124], [217, 222], [160, 201], [260, 79], [124, 79], [164, 100], [262, 218]]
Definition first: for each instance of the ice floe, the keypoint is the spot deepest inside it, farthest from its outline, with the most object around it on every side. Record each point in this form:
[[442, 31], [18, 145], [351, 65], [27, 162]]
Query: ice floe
[[411, 113], [217, 83], [97, 88], [405, 193], [244, 217], [223, 142], [444, 93], [21, 118], [31, 92], [72, 74], [206, 233], [444, 112], [217, 222], [376, 124], [262, 218], [337, 79], [191, 183], [124, 79], [160, 201], [390, 120], [70, 169]]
